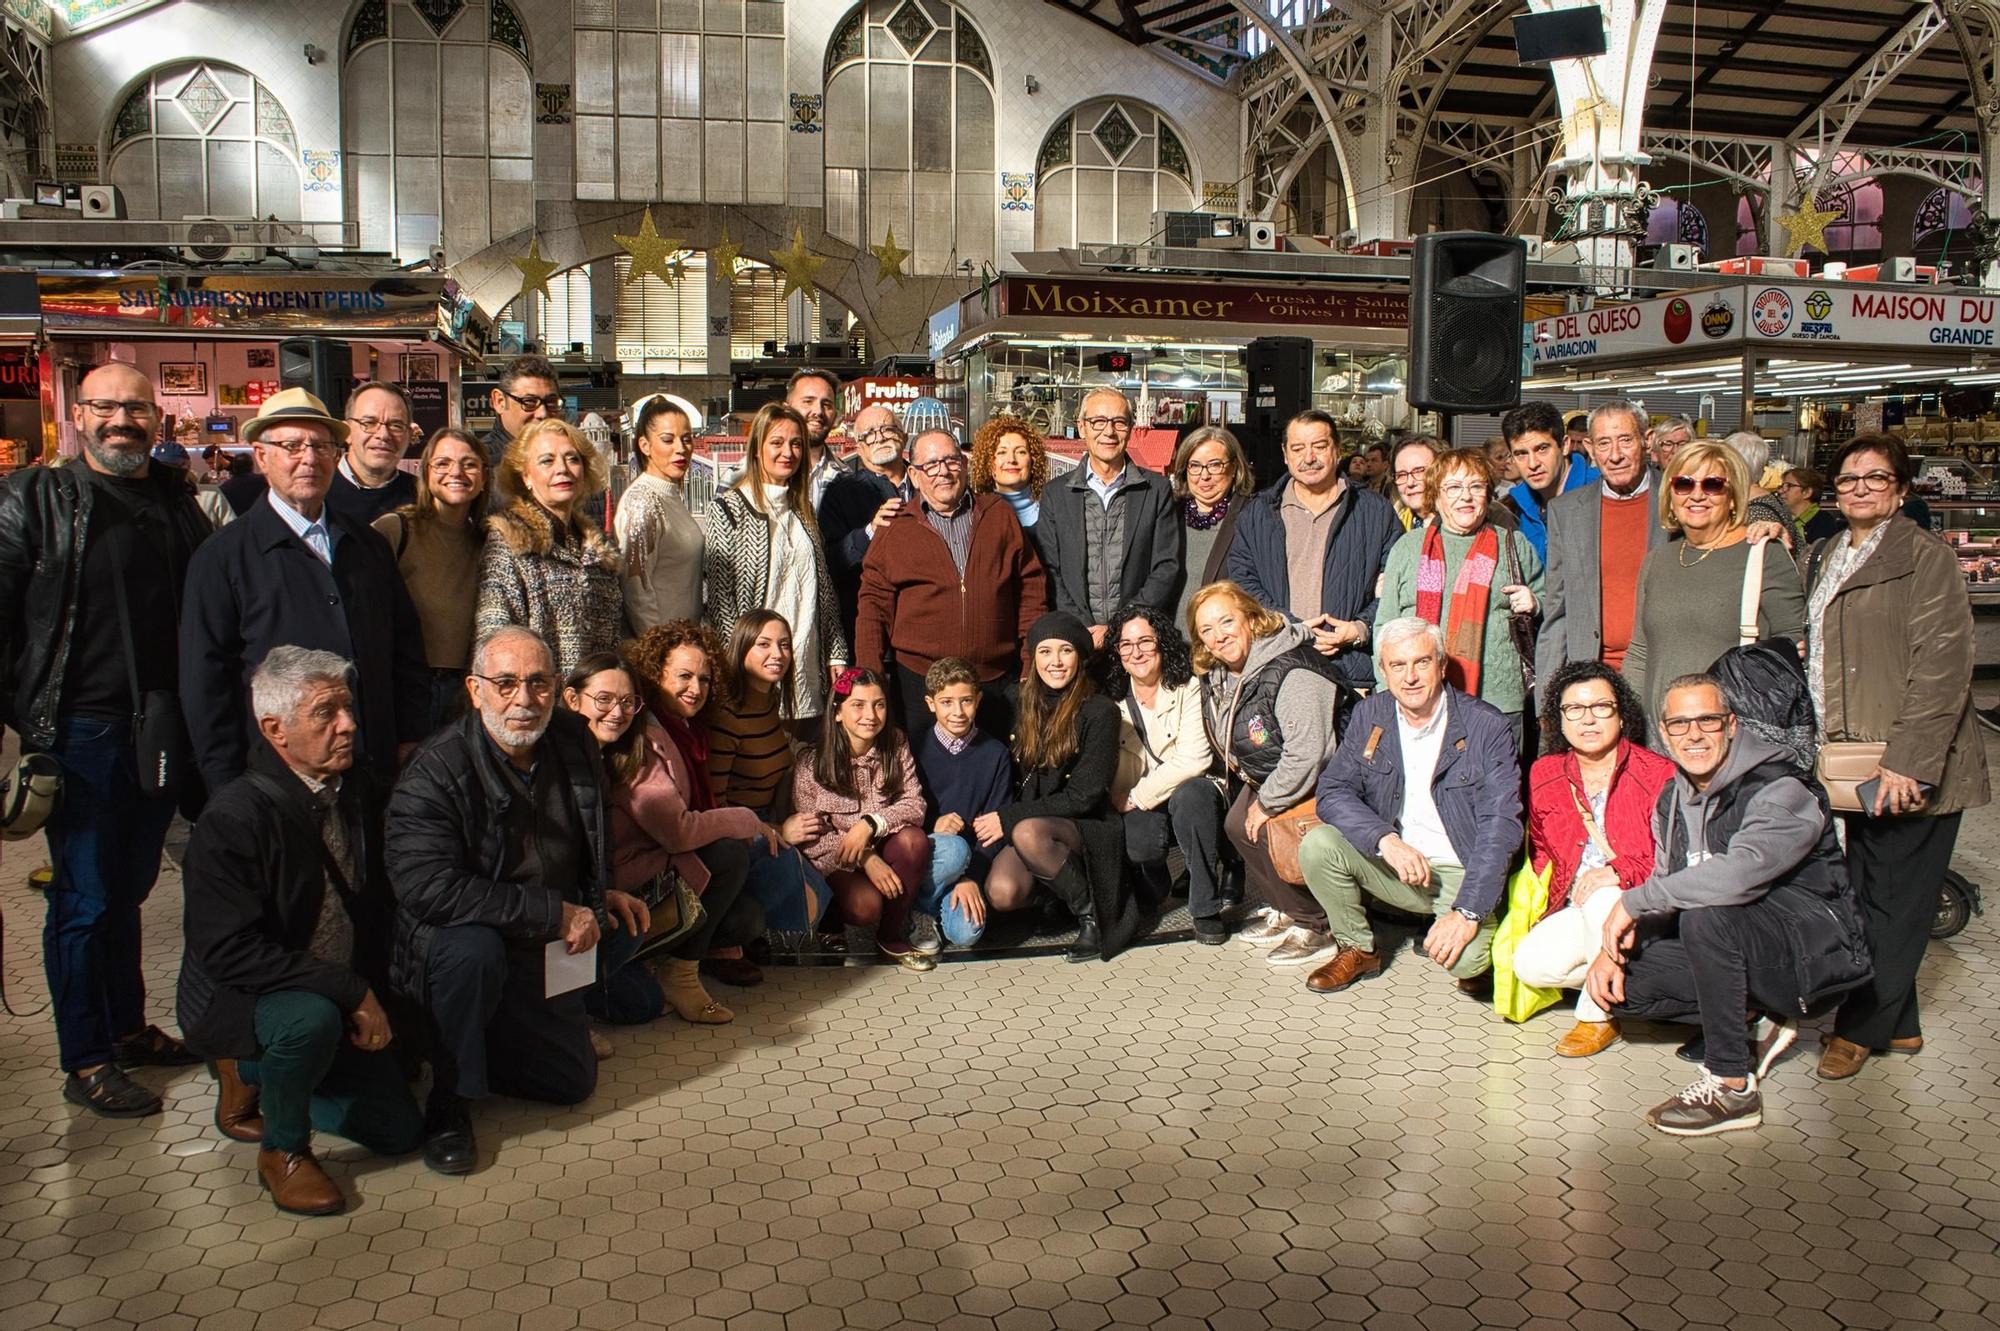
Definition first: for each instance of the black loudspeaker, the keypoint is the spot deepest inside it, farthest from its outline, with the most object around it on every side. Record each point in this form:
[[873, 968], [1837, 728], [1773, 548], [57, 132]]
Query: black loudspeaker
[[1465, 321], [319, 365], [1562, 34], [1279, 370]]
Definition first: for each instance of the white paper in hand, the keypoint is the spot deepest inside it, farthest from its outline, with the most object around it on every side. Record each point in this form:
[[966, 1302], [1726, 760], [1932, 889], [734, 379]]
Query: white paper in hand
[[562, 972]]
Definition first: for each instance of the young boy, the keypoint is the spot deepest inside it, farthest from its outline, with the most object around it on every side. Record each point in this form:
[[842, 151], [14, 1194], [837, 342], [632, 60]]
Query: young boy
[[965, 773]]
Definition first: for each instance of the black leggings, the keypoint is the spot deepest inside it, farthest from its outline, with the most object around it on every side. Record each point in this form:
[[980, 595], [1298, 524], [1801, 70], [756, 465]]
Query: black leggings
[[731, 917]]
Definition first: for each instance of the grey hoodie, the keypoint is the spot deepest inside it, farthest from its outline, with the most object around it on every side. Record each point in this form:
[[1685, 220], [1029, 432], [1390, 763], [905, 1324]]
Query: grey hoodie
[[1780, 827], [1306, 706]]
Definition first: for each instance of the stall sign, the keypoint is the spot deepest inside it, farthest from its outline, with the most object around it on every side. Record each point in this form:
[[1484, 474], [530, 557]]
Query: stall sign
[[430, 409], [1695, 320], [1835, 312], [1104, 302], [241, 302], [20, 375], [887, 391], [943, 330]]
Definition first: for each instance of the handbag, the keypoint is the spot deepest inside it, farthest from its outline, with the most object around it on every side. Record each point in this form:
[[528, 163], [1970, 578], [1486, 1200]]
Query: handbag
[[1527, 902], [28, 796], [161, 749], [1283, 833], [1844, 766], [676, 912], [1521, 629]]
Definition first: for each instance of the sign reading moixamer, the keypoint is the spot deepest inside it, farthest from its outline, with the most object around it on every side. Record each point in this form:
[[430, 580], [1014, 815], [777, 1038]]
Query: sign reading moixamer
[[1201, 302]]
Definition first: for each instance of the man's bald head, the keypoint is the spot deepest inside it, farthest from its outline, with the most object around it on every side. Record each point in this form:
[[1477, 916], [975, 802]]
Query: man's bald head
[[116, 416]]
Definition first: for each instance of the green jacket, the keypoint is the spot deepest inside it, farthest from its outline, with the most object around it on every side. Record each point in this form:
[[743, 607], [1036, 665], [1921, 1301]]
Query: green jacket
[[1500, 666]]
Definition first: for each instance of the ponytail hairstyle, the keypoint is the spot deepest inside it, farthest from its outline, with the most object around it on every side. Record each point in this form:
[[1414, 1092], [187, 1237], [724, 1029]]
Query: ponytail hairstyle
[[833, 765]]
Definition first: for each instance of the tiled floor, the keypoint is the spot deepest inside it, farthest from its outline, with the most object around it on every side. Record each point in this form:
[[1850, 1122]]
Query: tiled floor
[[1182, 1138]]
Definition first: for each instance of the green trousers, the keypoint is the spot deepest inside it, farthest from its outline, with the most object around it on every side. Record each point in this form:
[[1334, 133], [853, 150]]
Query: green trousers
[[1337, 874], [310, 1076]]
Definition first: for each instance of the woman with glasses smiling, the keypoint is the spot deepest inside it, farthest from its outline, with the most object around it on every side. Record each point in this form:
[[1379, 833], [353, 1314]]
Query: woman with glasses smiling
[[1211, 478]]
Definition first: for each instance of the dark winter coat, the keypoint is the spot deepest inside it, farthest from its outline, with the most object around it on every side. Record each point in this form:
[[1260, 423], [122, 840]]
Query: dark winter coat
[[1362, 534]]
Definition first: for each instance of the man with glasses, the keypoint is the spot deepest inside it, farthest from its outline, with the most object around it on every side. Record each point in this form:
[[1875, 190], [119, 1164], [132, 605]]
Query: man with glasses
[[1312, 547], [951, 575], [858, 504], [815, 395], [1110, 530], [92, 556], [291, 571], [368, 481], [528, 391], [1747, 920], [498, 851], [1667, 438]]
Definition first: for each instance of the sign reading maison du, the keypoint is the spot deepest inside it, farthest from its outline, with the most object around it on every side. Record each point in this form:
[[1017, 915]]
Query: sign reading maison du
[[1200, 302]]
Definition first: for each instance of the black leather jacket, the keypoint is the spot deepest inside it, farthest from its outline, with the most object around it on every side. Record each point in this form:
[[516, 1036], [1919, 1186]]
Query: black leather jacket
[[44, 527]]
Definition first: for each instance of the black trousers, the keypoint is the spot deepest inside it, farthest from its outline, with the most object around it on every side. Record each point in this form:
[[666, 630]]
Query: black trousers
[[996, 714], [1191, 819], [494, 1032], [1716, 963], [1897, 868]]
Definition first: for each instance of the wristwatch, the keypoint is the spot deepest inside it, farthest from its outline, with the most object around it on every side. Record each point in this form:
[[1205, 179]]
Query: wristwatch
[[1474, 916]]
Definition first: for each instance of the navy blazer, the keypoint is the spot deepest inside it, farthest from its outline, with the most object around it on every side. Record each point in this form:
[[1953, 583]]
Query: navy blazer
[[1477, 788]]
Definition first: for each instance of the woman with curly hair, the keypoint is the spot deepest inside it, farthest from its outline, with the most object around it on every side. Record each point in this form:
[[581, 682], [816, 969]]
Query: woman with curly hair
[[1011, 459], [1173, 796], [544, 568], [1590, 822]]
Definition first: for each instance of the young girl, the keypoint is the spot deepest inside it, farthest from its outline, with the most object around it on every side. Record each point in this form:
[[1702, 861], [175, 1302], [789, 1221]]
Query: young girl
[[751, 723], [872, 849]]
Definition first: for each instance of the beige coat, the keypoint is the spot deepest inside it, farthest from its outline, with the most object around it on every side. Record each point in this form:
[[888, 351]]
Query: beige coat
[[1898, 650]]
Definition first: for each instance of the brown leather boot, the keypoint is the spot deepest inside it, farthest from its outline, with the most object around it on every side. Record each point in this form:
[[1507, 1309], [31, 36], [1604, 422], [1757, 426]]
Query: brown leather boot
[[297, 1184], [1841, 1059], [236, 1113], [1587, 1038], [1348, 965]]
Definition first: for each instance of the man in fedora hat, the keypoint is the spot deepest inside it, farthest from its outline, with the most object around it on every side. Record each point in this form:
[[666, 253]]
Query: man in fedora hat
[[292, 572]]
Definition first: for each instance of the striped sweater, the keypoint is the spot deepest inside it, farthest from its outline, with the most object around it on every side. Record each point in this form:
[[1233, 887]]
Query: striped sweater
[[749, 754]]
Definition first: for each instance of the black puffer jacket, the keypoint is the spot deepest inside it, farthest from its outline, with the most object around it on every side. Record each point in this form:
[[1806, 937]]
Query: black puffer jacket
[[446, 842]]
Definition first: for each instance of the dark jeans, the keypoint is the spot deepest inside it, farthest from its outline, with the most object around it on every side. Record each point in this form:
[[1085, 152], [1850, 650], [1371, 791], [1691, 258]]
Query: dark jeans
[[493, 1029], [1716, 963], [1897, 867], [996, 714], [105, 841], [1191, 819], [311, 1077], [1290, 898]]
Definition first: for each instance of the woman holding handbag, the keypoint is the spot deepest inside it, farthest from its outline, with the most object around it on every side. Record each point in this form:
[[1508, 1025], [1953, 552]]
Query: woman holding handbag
[[1889, 662]]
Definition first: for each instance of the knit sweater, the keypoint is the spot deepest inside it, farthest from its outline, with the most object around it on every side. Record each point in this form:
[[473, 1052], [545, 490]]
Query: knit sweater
[[660, 543], [1499, 663], [1687, 613], [843, 811], [440, 566], [917, 606], [749, 753], [977, 780], [564, 586]]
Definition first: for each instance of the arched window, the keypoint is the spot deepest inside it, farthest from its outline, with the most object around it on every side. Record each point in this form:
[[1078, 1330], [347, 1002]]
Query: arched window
[[1677, 222], [1104, 169], [1855, 236], [436, 103], [1942, 226], [910, 131], [204, 140]]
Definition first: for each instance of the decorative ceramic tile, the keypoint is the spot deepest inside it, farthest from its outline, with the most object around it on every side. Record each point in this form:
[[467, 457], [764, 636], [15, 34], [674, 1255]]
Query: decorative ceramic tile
[[1017, 191], [320, 172], [806, 117]]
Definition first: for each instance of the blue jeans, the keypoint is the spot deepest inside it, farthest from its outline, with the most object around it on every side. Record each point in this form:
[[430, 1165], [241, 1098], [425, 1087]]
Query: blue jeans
[[951, 856], [625, 994], [105, 842], [793, 894]]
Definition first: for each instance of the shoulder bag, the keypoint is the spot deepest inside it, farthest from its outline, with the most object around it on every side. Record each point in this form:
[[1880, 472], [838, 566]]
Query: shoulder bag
[[1520, 629], [160, 745], [28, 796], [1844, 766]]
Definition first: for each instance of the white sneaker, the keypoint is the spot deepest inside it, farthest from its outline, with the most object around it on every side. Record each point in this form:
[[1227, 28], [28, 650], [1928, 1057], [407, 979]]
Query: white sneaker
[[1302, 947], [1266, 925], [924, 934]]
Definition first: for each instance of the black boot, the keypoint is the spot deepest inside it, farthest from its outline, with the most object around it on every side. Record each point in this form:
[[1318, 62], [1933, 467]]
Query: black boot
[[448, 1143], [1071, 886]]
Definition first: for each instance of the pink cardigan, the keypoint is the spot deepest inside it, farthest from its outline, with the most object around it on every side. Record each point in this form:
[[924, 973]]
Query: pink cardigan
[[653, 827], [842, 811]]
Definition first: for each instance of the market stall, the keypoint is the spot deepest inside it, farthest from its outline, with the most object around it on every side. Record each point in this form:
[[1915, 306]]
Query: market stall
[[21, 435]]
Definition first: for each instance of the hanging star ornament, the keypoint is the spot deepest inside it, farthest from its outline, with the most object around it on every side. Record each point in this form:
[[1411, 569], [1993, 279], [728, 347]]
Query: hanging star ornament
[[799, 264], [889, 258], [651, 254], [1806, 227], [535, 270], [726, 255]]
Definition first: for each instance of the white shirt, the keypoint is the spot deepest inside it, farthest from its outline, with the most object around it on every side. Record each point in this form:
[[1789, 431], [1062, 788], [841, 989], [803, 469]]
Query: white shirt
[[792, 589], [1422, 828], [1645, 484], [313, 531]]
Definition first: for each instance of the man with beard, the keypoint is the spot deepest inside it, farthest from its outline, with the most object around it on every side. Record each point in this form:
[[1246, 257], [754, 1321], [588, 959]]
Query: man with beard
[[92, 557], [497, 848], [860, 503], [815, 395]]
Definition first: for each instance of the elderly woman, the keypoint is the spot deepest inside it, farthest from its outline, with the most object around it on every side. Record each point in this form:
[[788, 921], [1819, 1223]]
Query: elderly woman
[[1270, 710], [1010, 459], [1467, 574], [1691, 590], [544, 568], [437, 545], [1765, 505], [659, 540], [1211, 477], [1409, 471], [1889, 661]]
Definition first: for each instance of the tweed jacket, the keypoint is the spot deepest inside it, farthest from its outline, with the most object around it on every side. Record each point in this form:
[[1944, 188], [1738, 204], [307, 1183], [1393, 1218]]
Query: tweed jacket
[[739, 571], [567, 591]]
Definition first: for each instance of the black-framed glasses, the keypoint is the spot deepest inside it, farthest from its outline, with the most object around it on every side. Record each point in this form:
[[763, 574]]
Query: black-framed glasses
[[295, 448], [1115, 424], [1138, 646], [531, 402], [1868, 482], [538, 686], [1215, 468], [1712, 486], [1708, 723], [105, 408], [880, 432], [1576, 711], [941, 466]]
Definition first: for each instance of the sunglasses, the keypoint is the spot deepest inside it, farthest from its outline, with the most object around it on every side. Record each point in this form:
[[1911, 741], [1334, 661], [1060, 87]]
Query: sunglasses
[[1713, 486]]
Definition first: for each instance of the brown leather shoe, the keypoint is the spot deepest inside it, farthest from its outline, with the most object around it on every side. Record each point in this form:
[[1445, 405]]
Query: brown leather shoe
[[297, 1184], [1909, 1044], [1348, 965], [1840, 1059], [236, 1113], [1587, 1038]]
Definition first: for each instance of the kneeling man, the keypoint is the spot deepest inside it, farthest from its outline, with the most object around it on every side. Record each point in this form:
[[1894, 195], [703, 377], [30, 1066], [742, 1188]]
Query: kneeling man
[[286, 909]]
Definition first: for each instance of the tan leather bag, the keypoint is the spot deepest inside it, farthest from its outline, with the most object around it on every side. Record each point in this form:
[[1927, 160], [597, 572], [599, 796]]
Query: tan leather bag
[[1843, 766], [1282, 835]]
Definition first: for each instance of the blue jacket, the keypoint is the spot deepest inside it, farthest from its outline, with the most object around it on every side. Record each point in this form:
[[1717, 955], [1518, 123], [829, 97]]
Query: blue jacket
[[1534, 515], [1477, 788], [1365, 530]]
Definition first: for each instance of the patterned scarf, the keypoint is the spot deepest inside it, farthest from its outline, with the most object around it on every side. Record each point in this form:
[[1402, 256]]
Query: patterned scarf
[[1465, 624], [691, 738]]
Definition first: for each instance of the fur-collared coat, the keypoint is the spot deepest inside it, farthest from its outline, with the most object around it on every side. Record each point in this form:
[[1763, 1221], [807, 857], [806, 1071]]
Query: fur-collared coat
[[562, 584]]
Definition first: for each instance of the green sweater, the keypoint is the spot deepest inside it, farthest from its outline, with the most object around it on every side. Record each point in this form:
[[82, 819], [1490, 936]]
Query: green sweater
[[1500, 666]]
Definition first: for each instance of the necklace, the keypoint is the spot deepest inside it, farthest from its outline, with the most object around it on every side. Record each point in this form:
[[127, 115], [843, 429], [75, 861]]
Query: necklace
[[1197, 520], [1706, 551]]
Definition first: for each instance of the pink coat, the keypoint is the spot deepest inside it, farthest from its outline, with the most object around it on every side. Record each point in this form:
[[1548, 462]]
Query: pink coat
[[652, 826], [843, 811]]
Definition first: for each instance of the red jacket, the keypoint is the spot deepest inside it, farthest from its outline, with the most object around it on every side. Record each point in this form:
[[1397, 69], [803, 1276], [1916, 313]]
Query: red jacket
[[1555, 827], [915, 607]]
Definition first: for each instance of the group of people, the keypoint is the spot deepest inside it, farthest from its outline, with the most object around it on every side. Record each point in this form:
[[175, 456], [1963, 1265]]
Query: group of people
[[470, 767]]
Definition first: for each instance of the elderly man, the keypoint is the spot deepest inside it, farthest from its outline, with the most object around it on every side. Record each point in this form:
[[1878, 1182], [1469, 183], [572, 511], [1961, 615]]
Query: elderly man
[[1422, 810], [498, 849], [1597, 540], [859, 503], [1311, 547], [815, 395], [92, 555], [1748, 911], [1667, 438], [367, 482], [952, 575], [1534, 432], [292, 571], [286, 910], [1110, 530], [527, 391]]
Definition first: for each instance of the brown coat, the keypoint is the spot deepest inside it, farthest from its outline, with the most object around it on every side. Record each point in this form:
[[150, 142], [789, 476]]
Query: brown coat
[[916, 608], [1898, 664]]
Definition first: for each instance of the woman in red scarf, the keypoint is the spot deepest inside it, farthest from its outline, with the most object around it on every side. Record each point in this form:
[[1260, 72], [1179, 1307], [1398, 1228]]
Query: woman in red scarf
[[1462, 572]]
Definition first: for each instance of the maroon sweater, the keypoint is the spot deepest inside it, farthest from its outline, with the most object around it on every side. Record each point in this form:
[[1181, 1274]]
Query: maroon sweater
[[916, 608]]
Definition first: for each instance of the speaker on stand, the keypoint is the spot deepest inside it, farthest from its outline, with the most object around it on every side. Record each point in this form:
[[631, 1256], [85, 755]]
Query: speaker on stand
[[1466, 311], [1279, 374], [321, 366]]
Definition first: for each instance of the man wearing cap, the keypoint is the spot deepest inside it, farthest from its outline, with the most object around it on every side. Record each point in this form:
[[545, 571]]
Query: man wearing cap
[[292, 572], [92, 556]]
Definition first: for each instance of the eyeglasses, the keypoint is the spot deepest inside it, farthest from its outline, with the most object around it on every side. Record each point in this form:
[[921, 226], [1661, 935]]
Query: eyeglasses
[[1709, 723], [1793, 485], [1099, 424], [553, 401], [880, 432], [1463, 490], [294, 448], [941, 466], [1215, 468], [613, 704], [1576, 711], [106, 408], [539, 686], [1868, 482], [1411, 473], [370, 424], [1139, 647], [1712, 486], [462, 466]]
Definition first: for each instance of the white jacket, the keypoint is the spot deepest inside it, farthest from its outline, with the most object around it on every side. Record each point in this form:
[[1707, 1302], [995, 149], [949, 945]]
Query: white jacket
[[1175, 748]]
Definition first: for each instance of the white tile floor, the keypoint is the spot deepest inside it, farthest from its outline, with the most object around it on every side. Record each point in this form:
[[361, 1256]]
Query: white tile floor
[[1182, 1138]]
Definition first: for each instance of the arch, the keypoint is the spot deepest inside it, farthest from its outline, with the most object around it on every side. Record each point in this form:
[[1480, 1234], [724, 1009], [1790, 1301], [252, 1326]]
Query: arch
[[1104, 168], [199, 138], [1677, 222]]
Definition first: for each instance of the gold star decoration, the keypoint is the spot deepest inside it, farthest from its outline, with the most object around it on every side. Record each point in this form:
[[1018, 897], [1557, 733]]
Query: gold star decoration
[[889, 258], [651, 254], [799, 264], [726, 255], [535, 270], [1806, 227]]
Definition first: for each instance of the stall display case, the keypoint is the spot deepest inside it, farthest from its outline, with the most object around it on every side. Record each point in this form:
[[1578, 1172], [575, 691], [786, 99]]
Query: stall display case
[[1971, 526], [1044, 381]]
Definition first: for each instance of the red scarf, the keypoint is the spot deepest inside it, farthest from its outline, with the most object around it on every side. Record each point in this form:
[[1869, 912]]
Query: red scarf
[[692, 741], [1465, 624]]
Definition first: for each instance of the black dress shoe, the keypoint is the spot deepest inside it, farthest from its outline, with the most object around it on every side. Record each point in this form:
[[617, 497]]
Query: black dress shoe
[[1088, 945], [109, 1092], [1694, 1049], [1211, 929], [449, 1147], [153, 1048]]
